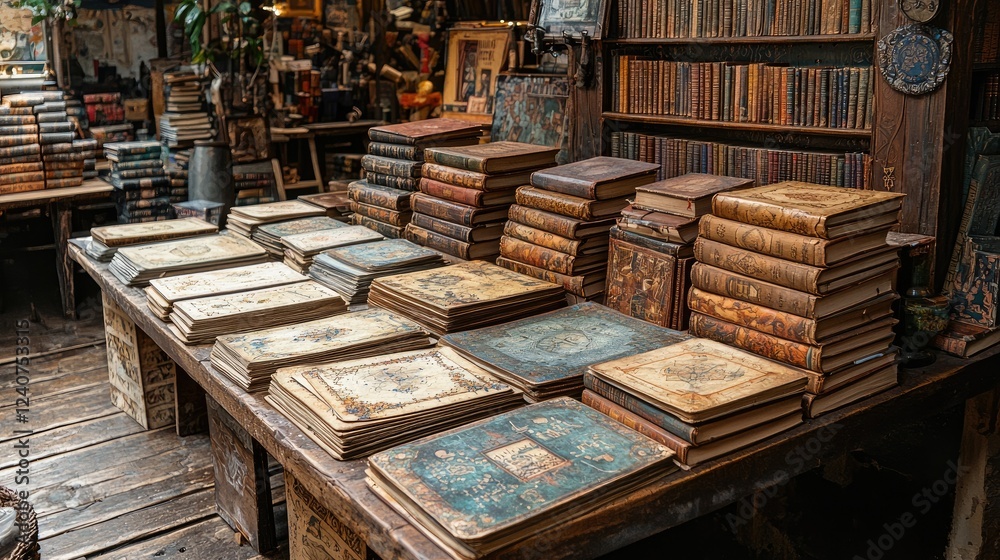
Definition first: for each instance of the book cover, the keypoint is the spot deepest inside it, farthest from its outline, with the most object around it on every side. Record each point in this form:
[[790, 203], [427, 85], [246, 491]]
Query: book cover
[[202, 284], [545, 239], [589, 178], [379, 195], [389, 166], [678, 250], [275, 211], [302, 225], [387, 230], [474, 180], [543, 257], [563, 226], [640, 282], [384, 215], [484, 232], [568, 205], [384, 255], [190, 252], [261, 300], [134, 234], [392, 181], [424, 132], [313, 242], [495, 157], [486, 250], [454, 212]]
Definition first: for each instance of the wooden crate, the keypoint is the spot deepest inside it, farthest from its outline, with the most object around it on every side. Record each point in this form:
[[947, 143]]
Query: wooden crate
[[141, 374], [315, 533]]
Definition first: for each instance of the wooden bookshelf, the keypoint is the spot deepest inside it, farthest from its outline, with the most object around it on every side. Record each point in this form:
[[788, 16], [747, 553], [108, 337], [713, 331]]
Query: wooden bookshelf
[[782, 39], [855, 133]]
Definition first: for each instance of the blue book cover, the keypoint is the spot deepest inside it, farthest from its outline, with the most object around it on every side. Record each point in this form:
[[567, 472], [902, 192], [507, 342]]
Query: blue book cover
[[525, 466], [381, 255], [561, 344]]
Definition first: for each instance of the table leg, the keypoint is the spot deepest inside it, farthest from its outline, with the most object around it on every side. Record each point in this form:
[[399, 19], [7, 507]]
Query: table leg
[[191, 409], [62, 224], [318, 174], [242, 487], [315, 532], [975, 531]]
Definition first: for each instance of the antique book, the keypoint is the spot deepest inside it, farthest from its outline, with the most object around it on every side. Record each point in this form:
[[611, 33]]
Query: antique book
[[270, 235], [387, 230], [162, 293], [276, 211], [820, 383], [810, 279], [980, 215], [536, 452], [473, 234], [135, 234], [415, 152], [568, 205], [813, 251], [676, 229], [641, 282], [881, 380], [698, 380], [464, 296], [966, 340], [378, 195], [808, 209], [584, 285], [350, 270], [137, 265], [549, 259], [475, 180], [485, 250], [463, 195], [575, 247], [456, 213], [426, 131], [336, 204], [546, 355], [598, 178], [688, 195], [787, 325], [659, 245], [974, 298], [312, 243], [495, 157], [249, 359], [563, 226], [392, 181], [389, 166], [384, 215]]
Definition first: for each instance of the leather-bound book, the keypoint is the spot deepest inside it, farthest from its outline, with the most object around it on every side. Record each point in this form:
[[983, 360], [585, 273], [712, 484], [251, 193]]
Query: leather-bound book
[[562, 226], [583, 285], [388, 230], [467, 196], [389, 166], [495, 157], [687, 195], [568, 205], [641, 282], [486, 250], [575, 247], [425, 132], [456, 213], [659, 245], [379, 195], [391, 217], [597, 178], [546, 258], [475, 180], [676, 229]]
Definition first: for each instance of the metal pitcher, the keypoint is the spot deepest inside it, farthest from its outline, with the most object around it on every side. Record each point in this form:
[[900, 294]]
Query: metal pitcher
[[210, 175]]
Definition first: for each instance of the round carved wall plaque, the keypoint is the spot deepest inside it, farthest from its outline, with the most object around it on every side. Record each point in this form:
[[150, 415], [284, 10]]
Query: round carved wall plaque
[[920, 11], [915, 58]]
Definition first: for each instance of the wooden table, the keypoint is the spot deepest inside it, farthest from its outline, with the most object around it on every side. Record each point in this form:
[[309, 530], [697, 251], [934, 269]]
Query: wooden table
[[669, 502], [309, 133], [60, 202]]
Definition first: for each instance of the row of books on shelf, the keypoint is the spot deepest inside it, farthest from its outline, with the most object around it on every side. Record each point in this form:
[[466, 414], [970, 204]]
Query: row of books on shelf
[[986, 39], [668, 19], [985, 99], [762, 93]]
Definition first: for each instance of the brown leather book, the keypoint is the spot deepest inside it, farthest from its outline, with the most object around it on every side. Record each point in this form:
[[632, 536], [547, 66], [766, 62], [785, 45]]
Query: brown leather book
[[391, 167], [548, 259], [62, 183], [820, 383], [378, 195], [682, 285], [659, 245], [568, 205], [861, 388], [388, 230], [476, 234], [487, 250], [583, 285], [676, 229], [424, 132], [687, 195], [27, 177], [20, 168], [575, 247], [22, 187], [391, 217], [495, 157], [562, 226], [474, 180], [456, 213], [597, 178], [463, 195], [640, 282]]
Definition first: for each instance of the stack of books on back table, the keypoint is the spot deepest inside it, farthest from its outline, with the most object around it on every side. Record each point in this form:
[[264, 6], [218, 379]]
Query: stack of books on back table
[[467, 192], [245, 220], [163, 293], [142, 188], [186, 117], [336, 204], [302, 248], [104, 108], [136, 266], [90, 149], [537, 475], [700, 398], [558, 230], [178, 175], [198, 321], [250, 359], [464, 296], [802, 274], [255, 183], [270, 235], [546, 355], [393, 169], [62, 155], [106, 240], [349, 271], [21, 167], [651, 249]]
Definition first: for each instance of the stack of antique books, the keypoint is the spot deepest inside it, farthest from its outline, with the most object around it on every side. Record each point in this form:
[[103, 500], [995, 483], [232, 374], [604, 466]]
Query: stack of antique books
[[537, 475], [701, 398], [249, 359], [136, 266], [255, 183], [199, 321], [349, 271], [89, 148], [185, 119], [270, 235], [21, 166], [301, 248], [163, 293], [358, 407], [244, 220], [650, 258], [456, 212], [64, 160], [802, 274], [558, 230], [465, 296], [385, 210], [142, 188], [336, 204], [546, 356], [106, 240], [178, 174]]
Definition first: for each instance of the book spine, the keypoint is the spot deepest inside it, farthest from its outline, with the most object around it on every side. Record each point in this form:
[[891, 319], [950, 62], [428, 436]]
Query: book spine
[[763, 267], [637, 423], [18, 140], [638, 407], [543, 200], [385, 215], [399, 201], [542, 257], [389, 138], [545, 221], [20, 168], [660, 246], [443, 209], [140, 183], [137, 151], [386, 166], [541, 238], [17, 120], [780, 244], [390, 231], [391, 181], [454, 231], [63, 173], [437, 241], [461, 195], [138, 194], [396, 151], [458, 161], [50, 127], [779, 298], [22, 129], [22, 187], [768, 215], [768, 346], [139, 173], [22, 150], [763, 319], [26, 177], [572, 284], [458, 177]]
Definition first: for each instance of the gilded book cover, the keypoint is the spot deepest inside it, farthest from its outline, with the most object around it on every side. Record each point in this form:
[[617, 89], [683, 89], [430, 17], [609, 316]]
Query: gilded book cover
[[561, 344], [700, 379], [641, 282], [305, 225], [273, 211], [190, 286], [398, 384], [130, 234], [255, 301], [190, 252], [318, 336], [381, 255], [494, 475], [464, 284], [316, 241]]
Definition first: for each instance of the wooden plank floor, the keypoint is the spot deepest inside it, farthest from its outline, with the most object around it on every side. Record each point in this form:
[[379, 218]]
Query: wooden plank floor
[[103, 487]]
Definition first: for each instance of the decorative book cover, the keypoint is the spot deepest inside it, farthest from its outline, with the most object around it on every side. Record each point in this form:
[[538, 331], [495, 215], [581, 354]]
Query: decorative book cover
[[698, 379], [695, 186], [304, 225], [398, 384], [190, 286], [255, 301], [380, 255], [536, 459], [640, 282], [424, 131], [283, 210], [313, 242], [561, 344], [975, 297], [190, 252], [464, 284], [584, 178], [495, 157], [129, 234]]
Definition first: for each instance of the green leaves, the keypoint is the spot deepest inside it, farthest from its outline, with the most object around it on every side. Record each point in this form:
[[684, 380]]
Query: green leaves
[[194, 18]]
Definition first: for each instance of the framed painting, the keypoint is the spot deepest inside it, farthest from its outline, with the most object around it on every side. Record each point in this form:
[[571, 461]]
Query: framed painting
[[533, 109], [475, 59], [302, 8], [573, 16], [20, 41]]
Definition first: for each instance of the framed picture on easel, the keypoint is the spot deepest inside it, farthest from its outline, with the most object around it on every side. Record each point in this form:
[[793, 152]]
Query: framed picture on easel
[[572, 16], [302, 8], [475, 59]]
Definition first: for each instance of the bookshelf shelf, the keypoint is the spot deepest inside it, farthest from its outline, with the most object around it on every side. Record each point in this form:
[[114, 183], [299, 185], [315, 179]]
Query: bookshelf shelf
[[986, 66], [771, 39], [860, 134]]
